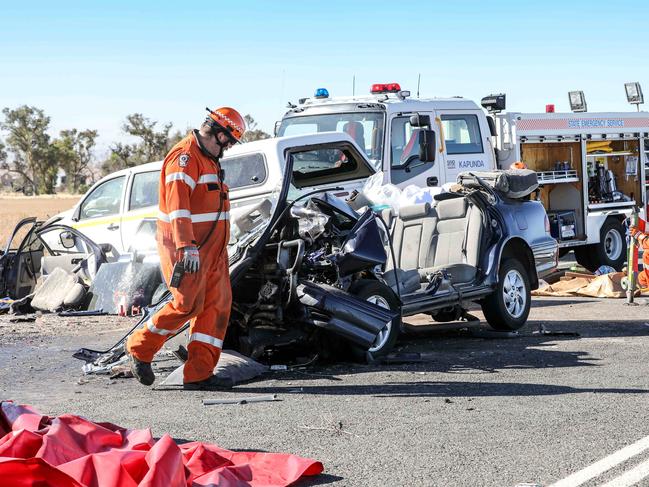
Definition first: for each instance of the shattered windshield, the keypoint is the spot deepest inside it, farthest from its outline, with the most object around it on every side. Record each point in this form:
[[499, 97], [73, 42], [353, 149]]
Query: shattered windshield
[[366, 128]]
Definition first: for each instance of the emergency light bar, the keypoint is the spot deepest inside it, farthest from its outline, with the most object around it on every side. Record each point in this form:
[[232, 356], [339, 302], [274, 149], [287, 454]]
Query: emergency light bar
[[321, 93], [378, 88]]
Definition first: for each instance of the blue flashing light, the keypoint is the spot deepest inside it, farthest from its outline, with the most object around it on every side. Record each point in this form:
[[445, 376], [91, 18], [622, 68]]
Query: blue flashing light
[[321, 93]]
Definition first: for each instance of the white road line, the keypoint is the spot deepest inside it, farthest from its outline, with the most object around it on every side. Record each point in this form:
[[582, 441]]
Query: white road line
[[604, 464], [632, 477]]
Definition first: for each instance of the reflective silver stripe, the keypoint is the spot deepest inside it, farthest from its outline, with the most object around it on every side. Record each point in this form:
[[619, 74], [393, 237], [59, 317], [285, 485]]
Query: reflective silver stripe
[[159, 331], [208, 178], [167, 217], [202, 337], [197, 218], [210, 217], [180, 176]]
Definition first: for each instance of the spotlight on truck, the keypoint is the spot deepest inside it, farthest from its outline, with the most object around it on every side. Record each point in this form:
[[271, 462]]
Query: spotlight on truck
[[577, 101], [494, 103], [634, 94]]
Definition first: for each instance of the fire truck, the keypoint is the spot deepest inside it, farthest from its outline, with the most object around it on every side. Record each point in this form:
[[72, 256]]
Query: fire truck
[[590, 166]]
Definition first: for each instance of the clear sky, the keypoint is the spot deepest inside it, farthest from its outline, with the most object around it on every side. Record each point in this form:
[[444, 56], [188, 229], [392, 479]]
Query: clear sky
[[89, 64]]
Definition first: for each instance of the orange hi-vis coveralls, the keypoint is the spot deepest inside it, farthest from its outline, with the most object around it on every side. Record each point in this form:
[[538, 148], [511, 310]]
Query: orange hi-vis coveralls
[[194, 210], [639, 233]]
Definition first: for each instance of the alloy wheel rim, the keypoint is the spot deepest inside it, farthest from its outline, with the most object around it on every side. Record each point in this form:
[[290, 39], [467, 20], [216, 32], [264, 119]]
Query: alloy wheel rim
[[384, 334], [514, 293]]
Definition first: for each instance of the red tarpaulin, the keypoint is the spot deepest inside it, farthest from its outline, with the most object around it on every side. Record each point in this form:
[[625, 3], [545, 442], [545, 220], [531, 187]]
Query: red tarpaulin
[[70, 451]]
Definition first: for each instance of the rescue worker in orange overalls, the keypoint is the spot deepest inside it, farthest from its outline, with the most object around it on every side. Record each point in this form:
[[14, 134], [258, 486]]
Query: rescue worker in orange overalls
[[639, 234], [193, 229]]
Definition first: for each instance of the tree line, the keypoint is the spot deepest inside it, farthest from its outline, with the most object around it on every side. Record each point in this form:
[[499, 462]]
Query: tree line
[[36, 159]]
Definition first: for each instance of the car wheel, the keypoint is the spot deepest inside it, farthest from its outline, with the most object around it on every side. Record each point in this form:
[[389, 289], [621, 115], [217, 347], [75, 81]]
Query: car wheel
[[377, 293], [508, 307]]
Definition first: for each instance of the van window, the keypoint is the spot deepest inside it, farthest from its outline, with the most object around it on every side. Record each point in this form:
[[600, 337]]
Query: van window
[[245, 170], [462, 134], [403, 142], [104, 200], [144, 190]]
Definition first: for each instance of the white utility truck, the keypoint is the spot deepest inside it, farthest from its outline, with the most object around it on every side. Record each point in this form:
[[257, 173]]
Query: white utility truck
[[591, 166]]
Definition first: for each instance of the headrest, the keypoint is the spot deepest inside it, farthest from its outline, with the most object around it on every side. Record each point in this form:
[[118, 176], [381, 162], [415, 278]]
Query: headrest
[[414, 211], [450, 209]]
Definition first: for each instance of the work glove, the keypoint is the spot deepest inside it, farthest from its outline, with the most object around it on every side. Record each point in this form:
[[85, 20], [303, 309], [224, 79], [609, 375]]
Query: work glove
[[191, 259]]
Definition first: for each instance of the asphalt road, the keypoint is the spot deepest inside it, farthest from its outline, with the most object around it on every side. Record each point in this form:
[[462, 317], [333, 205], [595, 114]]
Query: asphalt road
[[477, 412]]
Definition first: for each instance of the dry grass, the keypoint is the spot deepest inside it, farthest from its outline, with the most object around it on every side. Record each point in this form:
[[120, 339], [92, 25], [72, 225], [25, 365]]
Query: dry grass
[[14, 208]]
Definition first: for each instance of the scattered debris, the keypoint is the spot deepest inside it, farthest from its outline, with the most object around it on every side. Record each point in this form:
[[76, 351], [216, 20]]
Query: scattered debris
[[180, 353], [336, 428], [544, 331], [241, 400], [408, 357], [484, 333], [23, 319], [121, 372], [232, 365], [98, 312], [448, 401]]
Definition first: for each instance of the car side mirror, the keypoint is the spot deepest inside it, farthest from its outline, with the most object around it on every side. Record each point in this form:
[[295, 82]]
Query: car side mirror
[[427, 145], [67, 240]]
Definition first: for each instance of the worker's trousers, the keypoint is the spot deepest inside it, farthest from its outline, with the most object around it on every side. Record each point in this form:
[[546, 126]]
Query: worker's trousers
[[203, 298]]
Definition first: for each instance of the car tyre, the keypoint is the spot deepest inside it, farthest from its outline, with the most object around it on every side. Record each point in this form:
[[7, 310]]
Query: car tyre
[[507, 308], [382, 295]]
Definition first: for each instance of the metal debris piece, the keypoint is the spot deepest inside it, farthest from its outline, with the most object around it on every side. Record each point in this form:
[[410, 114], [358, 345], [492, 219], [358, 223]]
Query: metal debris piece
[[545, 332], [482, 333], [241, 400]]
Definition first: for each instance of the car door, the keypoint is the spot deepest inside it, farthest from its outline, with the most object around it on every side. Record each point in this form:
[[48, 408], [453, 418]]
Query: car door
[[98, 215], [141, 202], [405, 166], [465, 142], [70, 250]]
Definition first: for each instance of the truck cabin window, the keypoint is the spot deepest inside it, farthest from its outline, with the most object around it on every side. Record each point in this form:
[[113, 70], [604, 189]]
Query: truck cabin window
[[404, 142], [462, 134], [365, 128]]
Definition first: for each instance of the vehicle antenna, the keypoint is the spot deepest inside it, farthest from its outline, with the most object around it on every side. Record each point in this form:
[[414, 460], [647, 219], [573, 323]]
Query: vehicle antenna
[[418, 83], [354, 85]]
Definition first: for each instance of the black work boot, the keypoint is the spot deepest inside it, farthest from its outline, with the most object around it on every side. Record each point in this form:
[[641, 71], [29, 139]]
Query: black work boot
[[213, 382], [142, 371]]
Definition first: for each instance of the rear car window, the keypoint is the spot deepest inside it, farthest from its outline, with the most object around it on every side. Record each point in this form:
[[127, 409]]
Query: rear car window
[[326, 165], [144, 190], [244, 170]]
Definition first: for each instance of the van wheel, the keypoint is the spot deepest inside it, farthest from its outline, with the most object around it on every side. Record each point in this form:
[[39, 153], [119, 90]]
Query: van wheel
[[610, 251], [377, 293], [508, 307]]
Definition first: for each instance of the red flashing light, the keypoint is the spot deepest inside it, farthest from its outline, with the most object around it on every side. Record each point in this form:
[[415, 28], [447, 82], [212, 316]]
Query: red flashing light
[[378, 88], [549, 108]]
